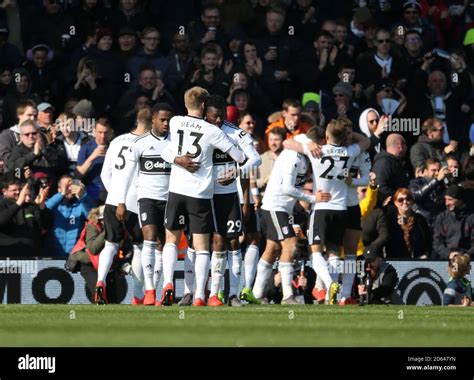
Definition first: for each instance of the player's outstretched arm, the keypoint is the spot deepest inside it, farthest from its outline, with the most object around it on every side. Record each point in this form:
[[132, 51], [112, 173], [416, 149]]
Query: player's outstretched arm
[[293, 145], [236, 154], [253, 160]]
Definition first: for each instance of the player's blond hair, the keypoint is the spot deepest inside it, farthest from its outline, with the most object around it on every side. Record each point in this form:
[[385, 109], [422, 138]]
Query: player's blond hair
[[195, 97], [336, 129]]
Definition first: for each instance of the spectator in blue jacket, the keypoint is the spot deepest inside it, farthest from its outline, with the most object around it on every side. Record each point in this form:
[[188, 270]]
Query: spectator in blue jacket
[[70, 207]]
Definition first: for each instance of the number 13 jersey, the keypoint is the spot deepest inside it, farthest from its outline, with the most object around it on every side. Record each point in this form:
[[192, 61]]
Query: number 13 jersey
[[197, 137]]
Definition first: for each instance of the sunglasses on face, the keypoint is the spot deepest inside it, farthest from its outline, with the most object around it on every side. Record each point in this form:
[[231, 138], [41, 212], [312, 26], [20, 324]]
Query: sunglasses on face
[[402, 200], [375, 121], [30, 134]]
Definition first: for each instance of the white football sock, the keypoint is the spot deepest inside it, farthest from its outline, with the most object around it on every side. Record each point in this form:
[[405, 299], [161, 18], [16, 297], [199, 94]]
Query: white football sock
[[348, 275], [148, 263], [218, 262], [320, 266], [264, 271], [170, 255], [235, 267], [202, 273], [334, 268], [106, 259], [137, 271], [251, 262], [286, 271], [189, 260], [158, 268]]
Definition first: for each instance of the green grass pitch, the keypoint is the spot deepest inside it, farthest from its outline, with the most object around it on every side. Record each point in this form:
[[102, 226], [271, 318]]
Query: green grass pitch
[[250, 326]]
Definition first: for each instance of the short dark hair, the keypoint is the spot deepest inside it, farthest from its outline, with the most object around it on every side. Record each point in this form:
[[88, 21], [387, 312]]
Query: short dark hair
[[412, 31], [323, 33], [278, 131], [6, 183], [216, 101], [431, 161], [316, 134], [290, 102], [161, 107]]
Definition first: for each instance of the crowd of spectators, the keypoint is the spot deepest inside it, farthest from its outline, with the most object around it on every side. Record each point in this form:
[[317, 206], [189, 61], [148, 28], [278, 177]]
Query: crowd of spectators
[[74, 74]]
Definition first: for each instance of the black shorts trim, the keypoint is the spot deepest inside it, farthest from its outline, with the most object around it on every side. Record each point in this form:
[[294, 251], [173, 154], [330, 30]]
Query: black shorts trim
[[197, 213], [115, 231], [277, 225], [228, 215], [326, 227], [354, 218]]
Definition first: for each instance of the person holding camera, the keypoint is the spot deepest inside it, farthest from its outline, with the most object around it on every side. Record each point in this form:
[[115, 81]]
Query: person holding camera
[[22, 219], [379, 280], [70, 207]]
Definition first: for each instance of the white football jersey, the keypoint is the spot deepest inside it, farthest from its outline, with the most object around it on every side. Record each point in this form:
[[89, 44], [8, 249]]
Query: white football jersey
[[198, 137], [360, 177], [115, 163], [290, 170], [145, 158], [223, 162], [330, 171]]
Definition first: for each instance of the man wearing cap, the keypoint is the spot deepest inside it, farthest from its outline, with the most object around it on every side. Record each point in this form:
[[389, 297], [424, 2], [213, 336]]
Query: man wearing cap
[[454, 228], [343, 105], [412, 20], [127, 43], [45, 120], [380, 279]]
